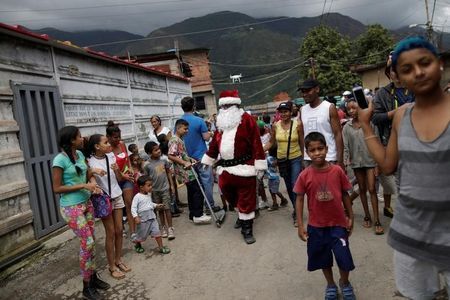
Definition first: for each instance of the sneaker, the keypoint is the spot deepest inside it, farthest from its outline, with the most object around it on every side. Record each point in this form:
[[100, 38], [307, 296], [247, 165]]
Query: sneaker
[[388, 212], [347, 292], [263, 204], [164, 232], [202, 220], [380, 197], [133, 237], [331, 293], [171, 234]]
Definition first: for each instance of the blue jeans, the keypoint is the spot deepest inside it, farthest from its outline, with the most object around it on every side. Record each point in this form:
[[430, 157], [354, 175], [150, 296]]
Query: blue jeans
[[205, 175], [295, 166]]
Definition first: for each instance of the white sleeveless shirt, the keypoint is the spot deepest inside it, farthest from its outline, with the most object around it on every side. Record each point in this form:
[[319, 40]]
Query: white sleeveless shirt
[[318, 120]]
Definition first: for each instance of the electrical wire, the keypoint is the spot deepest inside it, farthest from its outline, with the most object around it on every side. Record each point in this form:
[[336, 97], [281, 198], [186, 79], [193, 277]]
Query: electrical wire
[[261, 79], [270, 86], [432, 14], [323, 11], [191, 33], [94, 7]]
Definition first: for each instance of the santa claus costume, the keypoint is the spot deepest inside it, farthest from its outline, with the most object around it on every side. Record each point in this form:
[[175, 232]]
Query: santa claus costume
[[237, 151]]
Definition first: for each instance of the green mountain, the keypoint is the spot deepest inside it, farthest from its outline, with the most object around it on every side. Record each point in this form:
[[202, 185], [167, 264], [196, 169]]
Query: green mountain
[[265, 51], [254, 50]]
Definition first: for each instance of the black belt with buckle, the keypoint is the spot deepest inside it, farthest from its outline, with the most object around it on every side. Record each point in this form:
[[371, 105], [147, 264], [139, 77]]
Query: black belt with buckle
[[234, 161]]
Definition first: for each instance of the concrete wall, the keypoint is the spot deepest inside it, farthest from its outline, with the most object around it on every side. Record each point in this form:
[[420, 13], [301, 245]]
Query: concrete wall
[[374, 78], [93, 91]]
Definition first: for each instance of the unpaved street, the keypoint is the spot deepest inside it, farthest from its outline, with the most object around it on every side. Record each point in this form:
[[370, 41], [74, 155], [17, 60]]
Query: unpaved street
[[210, 263]]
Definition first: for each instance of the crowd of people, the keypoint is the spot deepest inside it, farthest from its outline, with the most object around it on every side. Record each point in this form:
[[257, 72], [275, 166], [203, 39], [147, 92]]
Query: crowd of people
[[327, 155]]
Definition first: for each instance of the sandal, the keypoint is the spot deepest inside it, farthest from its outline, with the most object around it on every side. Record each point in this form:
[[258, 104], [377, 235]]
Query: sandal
[[273, 207], [138, 248], [164, 250], [116, 274], [123, 267], [284, 202], [367, 222], [378, 228]]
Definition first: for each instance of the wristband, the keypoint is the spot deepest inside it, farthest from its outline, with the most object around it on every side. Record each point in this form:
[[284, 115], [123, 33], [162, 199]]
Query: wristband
[[370, 137]]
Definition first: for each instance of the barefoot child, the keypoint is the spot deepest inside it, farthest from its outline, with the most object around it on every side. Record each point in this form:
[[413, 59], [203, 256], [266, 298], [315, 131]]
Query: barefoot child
[[418, 148], [362, 164], [142, 210], [158, 170], [326, 187]]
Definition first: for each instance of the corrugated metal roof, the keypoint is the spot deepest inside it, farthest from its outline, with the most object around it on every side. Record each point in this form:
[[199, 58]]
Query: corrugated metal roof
[[24, 33]]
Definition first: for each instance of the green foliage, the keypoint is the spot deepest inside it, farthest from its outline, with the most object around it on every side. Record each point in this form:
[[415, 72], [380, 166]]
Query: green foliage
[[374, 45], [331, 53]]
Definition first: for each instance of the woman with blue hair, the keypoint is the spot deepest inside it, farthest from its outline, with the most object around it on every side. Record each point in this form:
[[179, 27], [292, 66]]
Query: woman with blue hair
[[419, 148]]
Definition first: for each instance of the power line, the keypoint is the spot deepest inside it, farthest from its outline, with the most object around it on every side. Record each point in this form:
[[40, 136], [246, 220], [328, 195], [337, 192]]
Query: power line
[[264, 78], [270, 86], [432, 14], [323, 11], [93, 7], [191, 33], [247, 66]]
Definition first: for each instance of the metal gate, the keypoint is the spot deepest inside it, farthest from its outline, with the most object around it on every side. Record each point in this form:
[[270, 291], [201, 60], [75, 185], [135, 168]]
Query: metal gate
[[38, 110]]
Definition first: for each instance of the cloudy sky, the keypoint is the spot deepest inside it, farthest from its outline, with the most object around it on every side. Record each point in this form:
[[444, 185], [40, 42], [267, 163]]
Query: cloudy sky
[[143, 16]]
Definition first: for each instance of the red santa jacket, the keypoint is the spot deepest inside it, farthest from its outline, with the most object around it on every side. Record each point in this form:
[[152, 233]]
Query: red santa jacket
[[241, 141]]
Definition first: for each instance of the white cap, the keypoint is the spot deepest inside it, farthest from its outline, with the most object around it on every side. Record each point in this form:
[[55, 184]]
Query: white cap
[[346, 93]]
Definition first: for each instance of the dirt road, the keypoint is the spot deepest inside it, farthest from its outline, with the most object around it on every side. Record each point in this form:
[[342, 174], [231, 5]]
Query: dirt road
[[210, 263]]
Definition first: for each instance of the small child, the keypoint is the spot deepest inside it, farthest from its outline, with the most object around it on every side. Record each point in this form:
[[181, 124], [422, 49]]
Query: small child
[[158, 170], [137, 168], [362, 164], [274, 184], [183, 171], [142, 210], [326, 187], [134, 149]]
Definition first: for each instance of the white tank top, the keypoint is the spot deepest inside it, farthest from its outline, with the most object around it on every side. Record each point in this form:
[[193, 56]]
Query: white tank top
[[318, 120]]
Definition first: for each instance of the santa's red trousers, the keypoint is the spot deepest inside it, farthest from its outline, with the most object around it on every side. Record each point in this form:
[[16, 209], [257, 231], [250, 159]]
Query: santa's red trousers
[[239, 191]]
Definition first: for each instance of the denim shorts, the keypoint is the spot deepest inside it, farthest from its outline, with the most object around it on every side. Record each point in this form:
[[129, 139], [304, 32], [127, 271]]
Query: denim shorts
[[323, 242], [126, 184]]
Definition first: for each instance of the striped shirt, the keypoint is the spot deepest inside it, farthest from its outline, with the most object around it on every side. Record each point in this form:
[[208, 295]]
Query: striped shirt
[[421, 225]]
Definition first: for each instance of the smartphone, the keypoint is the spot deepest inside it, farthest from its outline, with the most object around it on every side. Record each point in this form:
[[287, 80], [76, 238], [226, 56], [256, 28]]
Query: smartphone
[[358, 93]]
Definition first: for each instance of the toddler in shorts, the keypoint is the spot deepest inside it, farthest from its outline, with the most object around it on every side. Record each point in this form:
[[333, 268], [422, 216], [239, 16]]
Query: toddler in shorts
[[142, 210]]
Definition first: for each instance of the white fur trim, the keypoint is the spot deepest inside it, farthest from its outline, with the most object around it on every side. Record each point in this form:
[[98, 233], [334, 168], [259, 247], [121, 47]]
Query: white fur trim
[[260, 164], [249, 216], [229, 100], [227, 143], [239, 170], [208, 160]]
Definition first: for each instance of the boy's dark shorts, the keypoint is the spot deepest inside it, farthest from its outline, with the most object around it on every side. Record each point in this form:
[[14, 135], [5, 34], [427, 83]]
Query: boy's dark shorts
[[323, 242]]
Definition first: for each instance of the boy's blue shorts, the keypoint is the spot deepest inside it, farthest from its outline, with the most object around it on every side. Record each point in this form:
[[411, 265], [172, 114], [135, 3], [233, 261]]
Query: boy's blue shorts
[[323, 242]]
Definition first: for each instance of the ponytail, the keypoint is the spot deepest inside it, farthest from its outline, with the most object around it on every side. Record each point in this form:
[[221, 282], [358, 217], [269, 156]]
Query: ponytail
[[66, 135]]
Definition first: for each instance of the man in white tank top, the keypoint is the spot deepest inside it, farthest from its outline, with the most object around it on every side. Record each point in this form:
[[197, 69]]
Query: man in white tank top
[[321, 116]]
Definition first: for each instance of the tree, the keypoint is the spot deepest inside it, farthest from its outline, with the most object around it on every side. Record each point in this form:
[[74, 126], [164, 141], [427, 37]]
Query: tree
[[330, 53], [374, 45]]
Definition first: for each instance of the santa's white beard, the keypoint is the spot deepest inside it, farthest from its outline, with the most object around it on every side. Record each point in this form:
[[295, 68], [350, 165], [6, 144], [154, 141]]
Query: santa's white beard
[[229, 118]]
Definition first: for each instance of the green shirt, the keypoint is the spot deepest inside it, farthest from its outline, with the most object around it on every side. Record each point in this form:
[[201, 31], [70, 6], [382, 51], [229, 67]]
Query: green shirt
[[70, 177]]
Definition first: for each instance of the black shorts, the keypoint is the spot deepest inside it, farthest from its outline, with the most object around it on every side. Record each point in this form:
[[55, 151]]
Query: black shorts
[[323, 242]]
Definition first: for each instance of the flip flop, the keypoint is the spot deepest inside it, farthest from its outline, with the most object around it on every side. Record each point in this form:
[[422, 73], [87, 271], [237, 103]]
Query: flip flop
[[123, 267], [116, 274], [378, 228], [367, 222]]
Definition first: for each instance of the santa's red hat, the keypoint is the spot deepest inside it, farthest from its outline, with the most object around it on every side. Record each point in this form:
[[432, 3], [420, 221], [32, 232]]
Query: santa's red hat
[[229, 97]]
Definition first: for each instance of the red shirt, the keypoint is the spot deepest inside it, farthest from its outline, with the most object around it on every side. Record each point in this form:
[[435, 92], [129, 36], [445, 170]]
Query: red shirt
[[324, 189]]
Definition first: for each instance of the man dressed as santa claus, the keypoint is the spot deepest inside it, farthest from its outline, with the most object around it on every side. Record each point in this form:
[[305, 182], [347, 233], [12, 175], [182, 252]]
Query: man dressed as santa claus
[[237, 151]]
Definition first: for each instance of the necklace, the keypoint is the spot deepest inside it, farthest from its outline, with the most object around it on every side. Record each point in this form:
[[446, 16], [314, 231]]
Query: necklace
[[100, 157]]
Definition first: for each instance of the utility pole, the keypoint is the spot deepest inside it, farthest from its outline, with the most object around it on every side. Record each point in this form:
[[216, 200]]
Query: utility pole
[[312, 64], [429, 25]]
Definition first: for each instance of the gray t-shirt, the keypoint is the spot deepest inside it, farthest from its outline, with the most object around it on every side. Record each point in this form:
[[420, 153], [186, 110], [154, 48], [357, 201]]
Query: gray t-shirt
[[156, 169]]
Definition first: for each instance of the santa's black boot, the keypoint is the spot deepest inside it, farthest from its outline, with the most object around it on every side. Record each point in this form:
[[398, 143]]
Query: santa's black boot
[[238, 224], [247, 231]]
